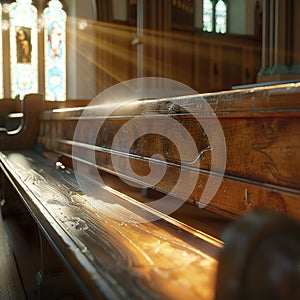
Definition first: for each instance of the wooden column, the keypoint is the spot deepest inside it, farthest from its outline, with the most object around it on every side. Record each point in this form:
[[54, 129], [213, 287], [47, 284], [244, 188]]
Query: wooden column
[[278, 54]]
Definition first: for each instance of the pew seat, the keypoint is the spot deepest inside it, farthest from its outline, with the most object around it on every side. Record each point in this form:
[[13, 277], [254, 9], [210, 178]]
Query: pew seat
[[103, 255]]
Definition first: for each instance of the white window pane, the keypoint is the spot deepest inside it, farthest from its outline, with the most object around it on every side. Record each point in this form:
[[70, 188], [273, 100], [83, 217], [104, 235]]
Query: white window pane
[[1, 58], [221, 17], [207, 15]]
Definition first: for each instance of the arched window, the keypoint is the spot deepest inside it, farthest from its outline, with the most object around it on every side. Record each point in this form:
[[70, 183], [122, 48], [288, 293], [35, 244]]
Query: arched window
[[23, 48], [215, 16], [55, 51], [208, 15], [24, 58], [1, 58], [220, 17]]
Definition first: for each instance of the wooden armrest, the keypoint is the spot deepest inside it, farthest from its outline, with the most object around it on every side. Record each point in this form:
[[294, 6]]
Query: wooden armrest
[[15, 115], [25, 135]]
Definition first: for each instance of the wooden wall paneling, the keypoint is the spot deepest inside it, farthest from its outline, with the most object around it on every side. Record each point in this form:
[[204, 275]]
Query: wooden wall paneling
[[105, 13], [191, 17], [157, 15], [104, 76], [182, 14], [203, 66], [256, 62], [116, 55], [182, 59], [158, 52], [150, 15], [132, 12], [231, 70], [247, 66], [216, 76], [85, 52], [167, 56], [174, 12], [160, 60], [124, 58], [151, 43], [225, 61], [256, 58]]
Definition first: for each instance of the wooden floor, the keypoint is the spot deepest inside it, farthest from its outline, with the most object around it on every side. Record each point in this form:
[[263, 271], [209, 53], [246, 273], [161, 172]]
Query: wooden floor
[[10, 284]]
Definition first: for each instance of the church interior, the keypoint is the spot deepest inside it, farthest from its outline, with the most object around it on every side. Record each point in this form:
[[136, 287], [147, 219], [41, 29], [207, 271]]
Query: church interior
[[149, 149]]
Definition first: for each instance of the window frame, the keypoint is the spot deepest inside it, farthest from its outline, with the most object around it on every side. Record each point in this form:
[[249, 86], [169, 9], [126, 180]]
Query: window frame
[[6, 53], [214, 4]]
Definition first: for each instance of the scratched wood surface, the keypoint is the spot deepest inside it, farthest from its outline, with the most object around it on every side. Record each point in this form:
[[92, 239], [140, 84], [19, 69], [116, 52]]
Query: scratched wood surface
[[261, 128], [118, 258]]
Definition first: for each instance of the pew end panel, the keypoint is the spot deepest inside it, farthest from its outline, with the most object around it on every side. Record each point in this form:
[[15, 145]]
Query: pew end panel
[[25, 135]]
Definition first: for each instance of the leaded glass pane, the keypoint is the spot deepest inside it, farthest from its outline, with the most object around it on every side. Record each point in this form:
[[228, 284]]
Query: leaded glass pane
[[207, 15], [1, 57], [55, 51], [221, 16], [23, 48]]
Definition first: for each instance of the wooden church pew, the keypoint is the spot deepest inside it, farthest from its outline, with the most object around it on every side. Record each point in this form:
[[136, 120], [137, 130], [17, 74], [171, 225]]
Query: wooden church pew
[[101, 240]]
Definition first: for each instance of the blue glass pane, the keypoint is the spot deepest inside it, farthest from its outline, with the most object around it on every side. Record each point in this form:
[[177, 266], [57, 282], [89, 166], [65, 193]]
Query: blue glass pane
[[55, 51]]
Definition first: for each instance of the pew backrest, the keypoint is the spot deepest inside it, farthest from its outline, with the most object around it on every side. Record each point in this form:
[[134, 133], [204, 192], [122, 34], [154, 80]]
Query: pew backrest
[[261, 128]]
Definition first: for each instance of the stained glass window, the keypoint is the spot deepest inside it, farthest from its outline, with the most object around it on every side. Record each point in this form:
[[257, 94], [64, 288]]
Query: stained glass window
[[221, 17], [55, 51], [215, 16], [1, 57], [207, 15], [23, 48]]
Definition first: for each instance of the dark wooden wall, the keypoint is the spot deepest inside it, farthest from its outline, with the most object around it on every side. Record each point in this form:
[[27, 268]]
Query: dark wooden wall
[[204, 62], [173, 48]]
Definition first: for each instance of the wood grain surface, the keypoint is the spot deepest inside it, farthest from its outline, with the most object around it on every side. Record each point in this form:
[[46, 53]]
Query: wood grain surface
[[261, 128], [120, 259]]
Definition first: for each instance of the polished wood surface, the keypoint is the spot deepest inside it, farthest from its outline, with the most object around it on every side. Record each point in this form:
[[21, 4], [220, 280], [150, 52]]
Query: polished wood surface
[[261, 128], [102, 235], [118, 259]]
